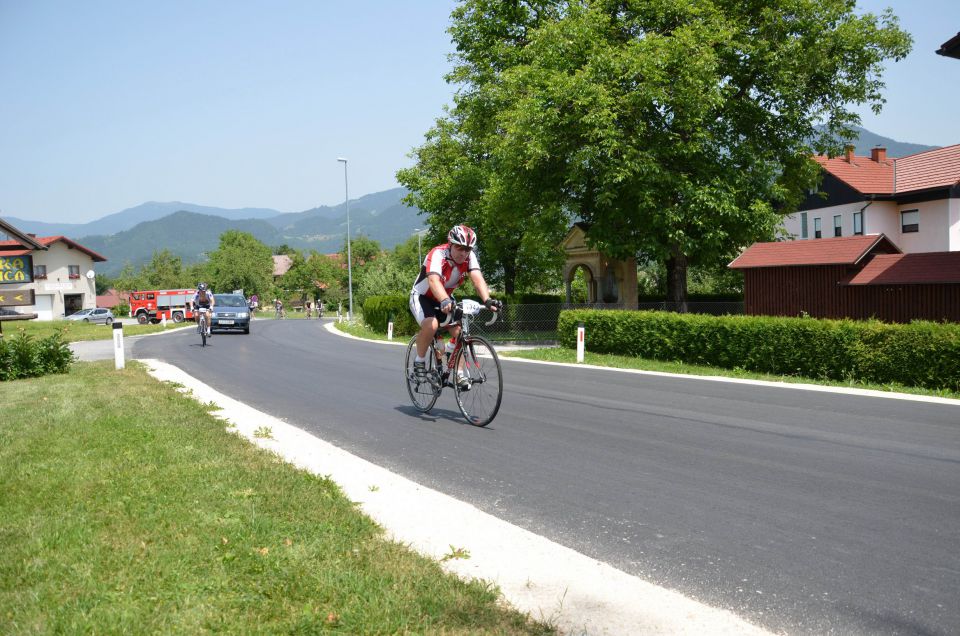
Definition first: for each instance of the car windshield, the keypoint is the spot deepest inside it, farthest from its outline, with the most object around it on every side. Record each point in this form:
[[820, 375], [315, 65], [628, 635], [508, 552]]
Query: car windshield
[[82, 312], [231, 301]]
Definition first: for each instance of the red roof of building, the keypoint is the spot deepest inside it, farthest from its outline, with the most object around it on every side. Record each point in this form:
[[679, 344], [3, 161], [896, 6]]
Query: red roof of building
[[861, 173], [112, 298], [930, 169], [909, 269], [936, 168], [14, 248], [845, 250]]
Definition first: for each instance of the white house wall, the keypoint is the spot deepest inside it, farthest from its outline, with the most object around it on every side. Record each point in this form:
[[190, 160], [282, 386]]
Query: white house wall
[[939, 229], [954, 213], [883, 217], [934, 231], [49, 292]]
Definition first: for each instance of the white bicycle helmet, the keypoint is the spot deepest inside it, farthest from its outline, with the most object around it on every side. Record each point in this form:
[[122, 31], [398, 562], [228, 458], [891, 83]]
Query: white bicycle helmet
[[462, 235]]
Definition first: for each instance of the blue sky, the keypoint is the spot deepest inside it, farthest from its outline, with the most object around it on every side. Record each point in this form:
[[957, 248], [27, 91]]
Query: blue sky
[[107, 104]]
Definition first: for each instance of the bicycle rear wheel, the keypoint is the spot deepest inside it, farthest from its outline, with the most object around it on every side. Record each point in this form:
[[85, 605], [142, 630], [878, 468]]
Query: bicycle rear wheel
[[203, 331], [423, 392], [479, 397]]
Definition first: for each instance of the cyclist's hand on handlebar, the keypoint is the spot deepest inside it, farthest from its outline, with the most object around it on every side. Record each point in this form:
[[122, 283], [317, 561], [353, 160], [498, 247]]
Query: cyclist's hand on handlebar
[[446, 305], [493, 304]]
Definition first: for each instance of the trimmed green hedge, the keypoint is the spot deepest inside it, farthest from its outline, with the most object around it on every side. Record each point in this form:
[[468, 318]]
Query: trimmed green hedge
[[380, 310], [23, 356], [922, 354]]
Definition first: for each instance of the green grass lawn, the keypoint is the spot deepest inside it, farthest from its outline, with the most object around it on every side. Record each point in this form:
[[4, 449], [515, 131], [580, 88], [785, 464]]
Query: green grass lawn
[[126, 507], [74, 331]]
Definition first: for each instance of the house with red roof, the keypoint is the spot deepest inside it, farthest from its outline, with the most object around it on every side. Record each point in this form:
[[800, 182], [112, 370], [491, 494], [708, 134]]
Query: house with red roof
[[913, 200], [63, 275], [857, 277]]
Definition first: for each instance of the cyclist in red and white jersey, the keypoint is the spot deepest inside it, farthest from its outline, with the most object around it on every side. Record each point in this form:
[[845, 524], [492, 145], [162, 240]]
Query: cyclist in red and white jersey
[[443, 270]]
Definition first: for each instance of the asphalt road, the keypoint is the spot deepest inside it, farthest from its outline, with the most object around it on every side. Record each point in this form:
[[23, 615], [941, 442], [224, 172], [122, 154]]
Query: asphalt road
[[803, 512]]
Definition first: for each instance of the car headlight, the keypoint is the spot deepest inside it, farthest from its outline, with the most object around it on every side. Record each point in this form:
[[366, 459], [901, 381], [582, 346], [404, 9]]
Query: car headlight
[[243, 314]]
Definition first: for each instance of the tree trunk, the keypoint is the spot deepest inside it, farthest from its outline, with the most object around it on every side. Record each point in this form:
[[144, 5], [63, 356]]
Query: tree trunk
[[509, 276], [677, 280]]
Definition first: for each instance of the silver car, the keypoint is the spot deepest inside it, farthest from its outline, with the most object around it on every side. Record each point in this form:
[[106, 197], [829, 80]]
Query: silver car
[[98, 315]]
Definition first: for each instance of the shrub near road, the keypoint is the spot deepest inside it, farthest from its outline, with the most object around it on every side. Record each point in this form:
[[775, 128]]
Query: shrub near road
[[127, 508], [920, 354]]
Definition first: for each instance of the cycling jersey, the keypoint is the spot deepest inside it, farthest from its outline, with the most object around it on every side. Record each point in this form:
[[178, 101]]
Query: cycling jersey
[[197, 302], [439, 261]]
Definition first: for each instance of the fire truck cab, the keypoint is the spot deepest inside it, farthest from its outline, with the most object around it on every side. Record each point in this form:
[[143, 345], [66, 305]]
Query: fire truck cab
[[155, 305]]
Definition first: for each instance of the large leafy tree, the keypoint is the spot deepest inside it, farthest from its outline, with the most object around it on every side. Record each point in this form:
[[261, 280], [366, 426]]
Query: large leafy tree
[[164, 271], [676, 129], [241, 262], [457, 178], [457, 181]]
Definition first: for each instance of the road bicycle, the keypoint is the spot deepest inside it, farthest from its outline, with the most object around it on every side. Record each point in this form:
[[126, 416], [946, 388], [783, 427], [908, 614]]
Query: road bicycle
[[202, 325], [472, 370]]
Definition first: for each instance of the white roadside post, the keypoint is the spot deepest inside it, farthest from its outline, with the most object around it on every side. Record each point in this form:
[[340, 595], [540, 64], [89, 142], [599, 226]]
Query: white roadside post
[[390, 330], [163, 320], [118, 359], [580, 343]]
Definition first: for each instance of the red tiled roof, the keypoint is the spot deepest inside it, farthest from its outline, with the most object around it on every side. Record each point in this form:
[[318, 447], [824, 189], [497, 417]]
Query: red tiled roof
[[11, 248], [936, 168], [930, 169], [861, 173], [845, 250], [909, 269]]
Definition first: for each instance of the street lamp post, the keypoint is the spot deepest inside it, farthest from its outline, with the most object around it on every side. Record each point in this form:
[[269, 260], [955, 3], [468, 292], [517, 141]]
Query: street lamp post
[[419, 232], [346, 190]]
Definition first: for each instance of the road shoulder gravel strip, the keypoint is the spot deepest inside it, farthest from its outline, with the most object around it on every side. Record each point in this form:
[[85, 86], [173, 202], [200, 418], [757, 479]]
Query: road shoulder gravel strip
[[578, 594]]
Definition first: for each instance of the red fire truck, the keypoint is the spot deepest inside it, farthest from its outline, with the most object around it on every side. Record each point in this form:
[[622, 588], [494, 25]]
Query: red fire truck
[[153, 306]]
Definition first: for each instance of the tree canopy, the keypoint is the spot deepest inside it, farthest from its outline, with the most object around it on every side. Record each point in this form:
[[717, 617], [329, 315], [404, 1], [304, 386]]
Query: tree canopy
[[679, 131], [240, 262]]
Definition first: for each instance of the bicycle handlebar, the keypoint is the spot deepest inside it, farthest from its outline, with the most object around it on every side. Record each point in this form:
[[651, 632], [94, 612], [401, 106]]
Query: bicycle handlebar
[[469, 307]]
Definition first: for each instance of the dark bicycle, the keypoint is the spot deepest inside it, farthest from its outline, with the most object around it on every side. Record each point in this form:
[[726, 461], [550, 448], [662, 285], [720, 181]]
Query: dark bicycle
[[202, 325], [472, 369]]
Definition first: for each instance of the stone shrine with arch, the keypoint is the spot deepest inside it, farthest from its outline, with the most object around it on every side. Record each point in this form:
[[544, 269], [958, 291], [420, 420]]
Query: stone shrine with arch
[[608, 280]]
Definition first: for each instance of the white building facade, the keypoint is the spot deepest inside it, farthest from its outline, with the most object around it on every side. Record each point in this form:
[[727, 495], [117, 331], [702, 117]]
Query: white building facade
[[914, 201], [63, 277]]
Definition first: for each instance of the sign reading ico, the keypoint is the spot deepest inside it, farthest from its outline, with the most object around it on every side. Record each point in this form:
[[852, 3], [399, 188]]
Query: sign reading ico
[[16, 269]]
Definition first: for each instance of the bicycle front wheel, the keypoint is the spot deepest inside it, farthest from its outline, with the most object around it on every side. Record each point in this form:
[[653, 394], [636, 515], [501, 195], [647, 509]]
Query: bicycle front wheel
[[480, 390], [203, 332], [423, 391]]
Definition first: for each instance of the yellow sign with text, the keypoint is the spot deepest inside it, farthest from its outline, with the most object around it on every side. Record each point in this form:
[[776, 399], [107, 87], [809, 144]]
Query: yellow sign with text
[[16, 269]]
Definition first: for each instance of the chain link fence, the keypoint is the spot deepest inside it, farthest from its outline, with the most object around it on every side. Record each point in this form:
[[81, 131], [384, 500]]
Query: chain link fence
[[537, 323]]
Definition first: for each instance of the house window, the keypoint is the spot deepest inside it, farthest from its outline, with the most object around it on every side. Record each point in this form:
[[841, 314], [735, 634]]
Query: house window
[[803, 225], [910, 221], [817, 229], [39, 271], [838, 225], [73, 271], [858, 223]]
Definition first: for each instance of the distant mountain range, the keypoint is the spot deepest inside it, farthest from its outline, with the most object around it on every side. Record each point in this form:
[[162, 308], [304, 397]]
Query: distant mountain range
[[191, 231], [126, 219], [868, 140]]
